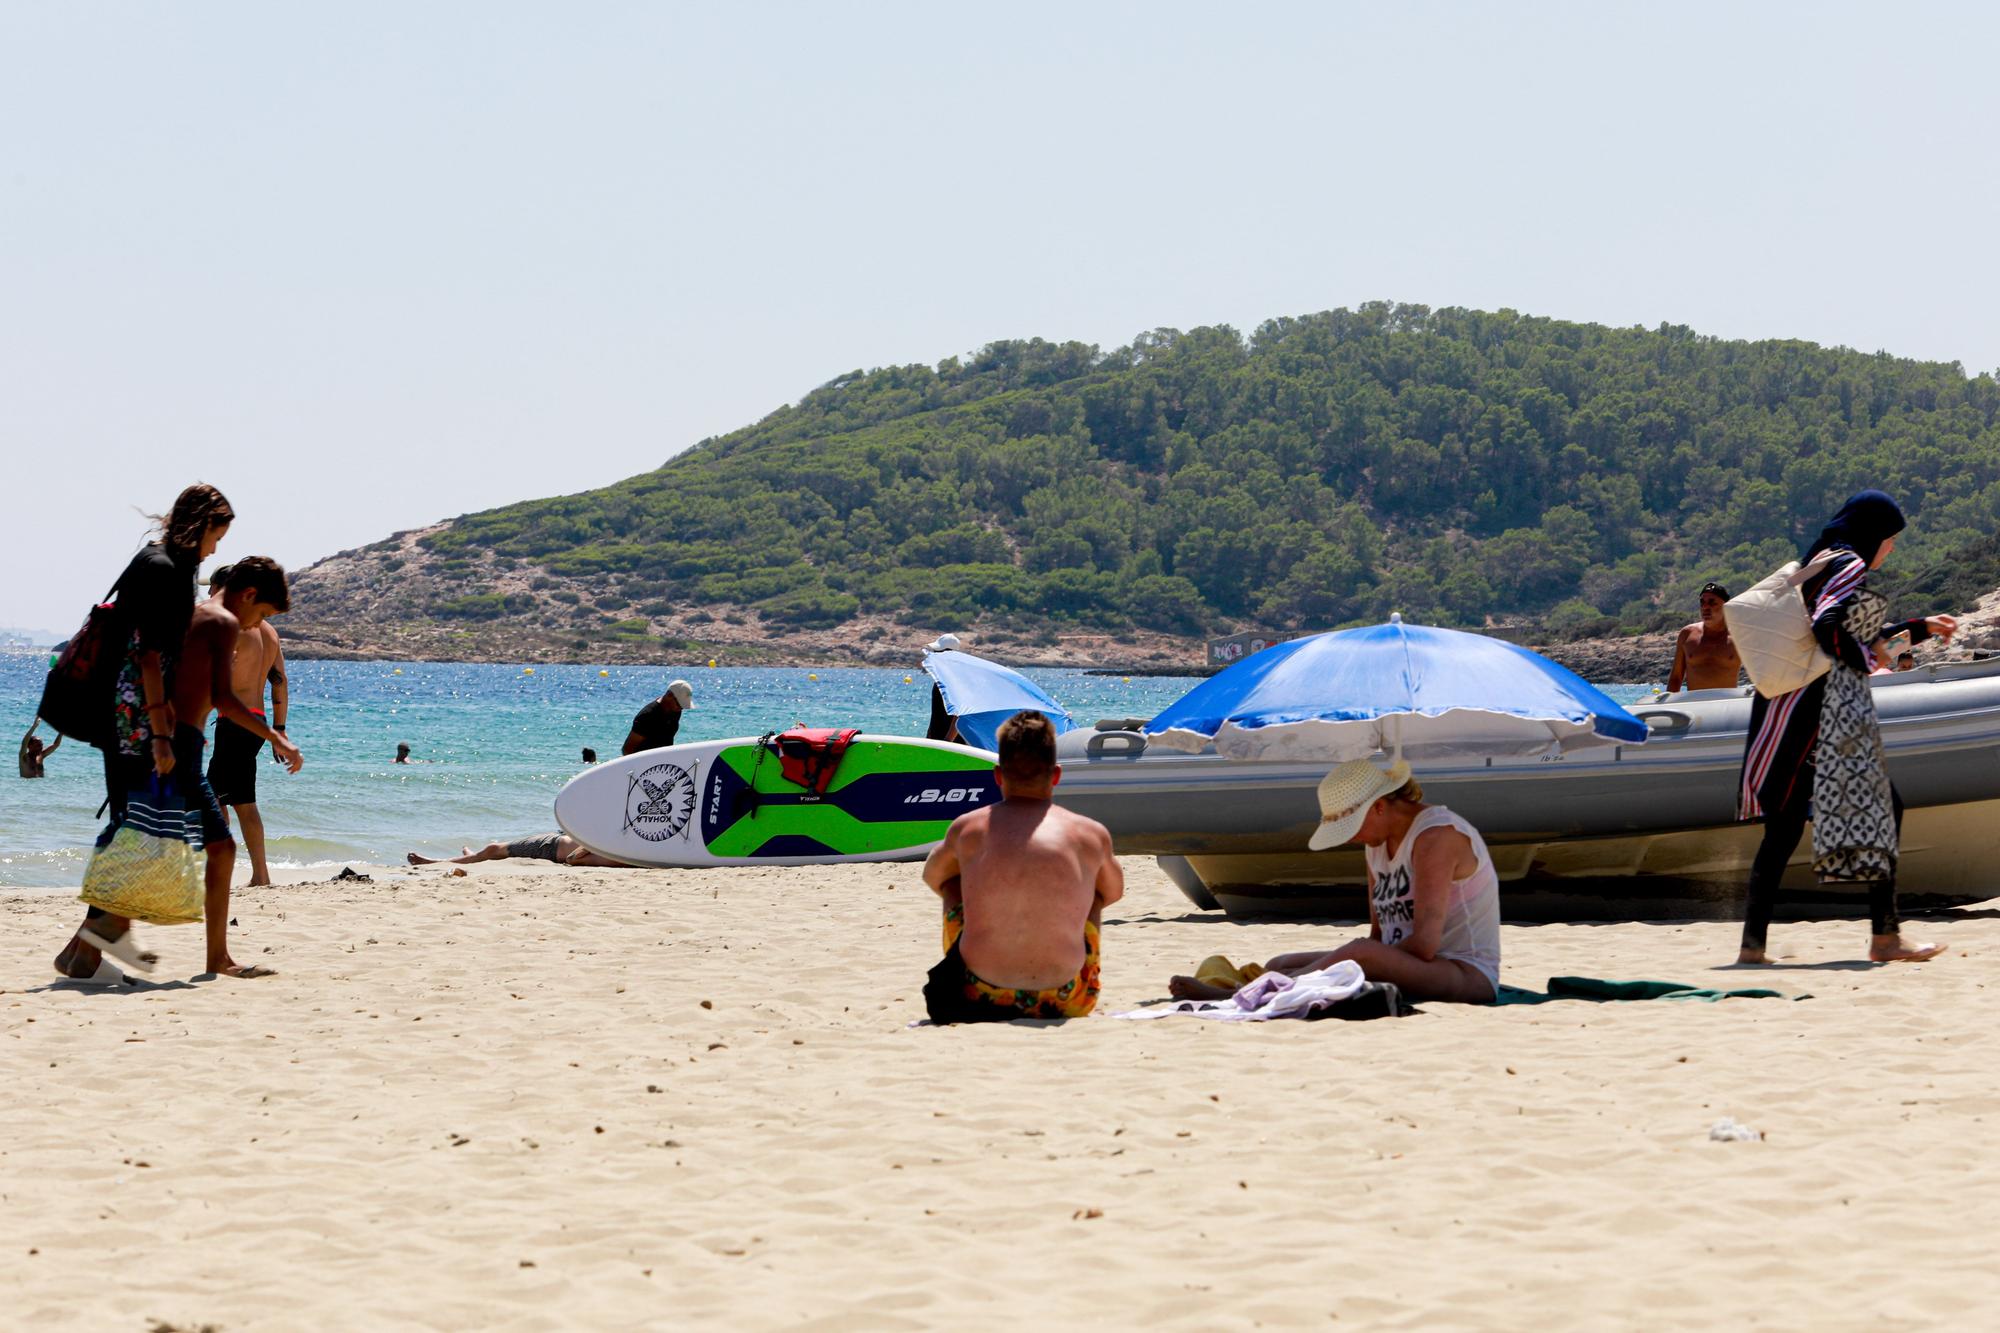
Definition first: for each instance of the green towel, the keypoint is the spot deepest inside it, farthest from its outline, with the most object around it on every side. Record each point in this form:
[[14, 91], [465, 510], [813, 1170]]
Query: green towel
[[1598, 990]]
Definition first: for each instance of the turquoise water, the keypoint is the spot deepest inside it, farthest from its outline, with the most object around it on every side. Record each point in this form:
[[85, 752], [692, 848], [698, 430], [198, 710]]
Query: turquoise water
[[494, 745]]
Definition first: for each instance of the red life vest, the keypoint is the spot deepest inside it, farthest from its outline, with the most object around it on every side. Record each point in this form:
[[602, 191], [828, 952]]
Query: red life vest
[[809, 756]]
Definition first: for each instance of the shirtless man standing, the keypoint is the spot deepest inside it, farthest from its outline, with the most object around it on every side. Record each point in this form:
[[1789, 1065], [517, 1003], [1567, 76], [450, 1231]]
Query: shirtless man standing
[[202, 684], [1024, 884], [232, 768], [1704, 657]]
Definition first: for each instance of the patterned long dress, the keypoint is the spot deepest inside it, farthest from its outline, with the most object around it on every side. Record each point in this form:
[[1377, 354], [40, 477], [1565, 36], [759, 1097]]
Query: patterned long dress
[[1854, 820], [1821, 744]]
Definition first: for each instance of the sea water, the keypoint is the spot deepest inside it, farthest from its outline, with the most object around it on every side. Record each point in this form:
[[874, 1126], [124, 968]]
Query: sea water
[[490, 747]]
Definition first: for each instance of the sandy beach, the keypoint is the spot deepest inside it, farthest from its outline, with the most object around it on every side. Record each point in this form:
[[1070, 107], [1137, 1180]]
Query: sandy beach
[[529, 1098]]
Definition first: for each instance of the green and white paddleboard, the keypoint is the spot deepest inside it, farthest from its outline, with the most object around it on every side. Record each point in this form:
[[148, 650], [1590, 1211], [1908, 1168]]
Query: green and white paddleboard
[[727, 803]]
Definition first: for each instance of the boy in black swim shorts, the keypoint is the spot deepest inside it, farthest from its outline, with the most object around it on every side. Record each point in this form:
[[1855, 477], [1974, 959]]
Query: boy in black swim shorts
[[232, 766]]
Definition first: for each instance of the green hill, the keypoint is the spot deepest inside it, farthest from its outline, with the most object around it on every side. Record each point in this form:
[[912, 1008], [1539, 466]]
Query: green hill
[[1450, 464]]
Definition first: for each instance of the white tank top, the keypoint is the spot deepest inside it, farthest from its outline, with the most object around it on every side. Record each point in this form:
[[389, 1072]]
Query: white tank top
[[1472, 916]]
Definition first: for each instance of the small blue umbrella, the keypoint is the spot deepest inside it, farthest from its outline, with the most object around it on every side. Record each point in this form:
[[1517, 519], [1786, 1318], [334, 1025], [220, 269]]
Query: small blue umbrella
[[982, 694], [1436, 694]]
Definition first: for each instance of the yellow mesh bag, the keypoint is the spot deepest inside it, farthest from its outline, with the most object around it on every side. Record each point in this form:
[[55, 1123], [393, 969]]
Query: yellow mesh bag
[[151, 867]]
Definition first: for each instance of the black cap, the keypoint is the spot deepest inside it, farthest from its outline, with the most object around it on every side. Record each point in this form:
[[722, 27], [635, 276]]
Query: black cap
[[1713, 587]]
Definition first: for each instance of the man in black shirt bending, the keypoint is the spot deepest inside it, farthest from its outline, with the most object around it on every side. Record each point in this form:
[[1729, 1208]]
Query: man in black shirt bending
[[659, 721]]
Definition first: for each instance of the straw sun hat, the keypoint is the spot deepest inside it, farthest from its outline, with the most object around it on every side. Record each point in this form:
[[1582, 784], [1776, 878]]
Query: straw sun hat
[[1345, 795]]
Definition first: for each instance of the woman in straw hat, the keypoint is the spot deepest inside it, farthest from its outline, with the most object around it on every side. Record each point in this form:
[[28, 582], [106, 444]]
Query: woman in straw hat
[[1433, 896]]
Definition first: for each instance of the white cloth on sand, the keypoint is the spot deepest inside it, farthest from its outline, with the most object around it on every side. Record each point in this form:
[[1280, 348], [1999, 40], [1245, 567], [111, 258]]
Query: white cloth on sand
[[1272, 995]]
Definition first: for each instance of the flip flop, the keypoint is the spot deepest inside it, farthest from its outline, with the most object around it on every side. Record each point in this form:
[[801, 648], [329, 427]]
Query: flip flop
[[250, 973], [106, 975], [123, 949]]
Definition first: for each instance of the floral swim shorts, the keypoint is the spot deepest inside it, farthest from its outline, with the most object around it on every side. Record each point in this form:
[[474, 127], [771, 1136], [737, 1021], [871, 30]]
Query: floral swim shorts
[[956, 994]]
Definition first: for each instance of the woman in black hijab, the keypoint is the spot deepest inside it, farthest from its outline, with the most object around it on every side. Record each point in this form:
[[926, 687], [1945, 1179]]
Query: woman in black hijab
[[1817, 752]]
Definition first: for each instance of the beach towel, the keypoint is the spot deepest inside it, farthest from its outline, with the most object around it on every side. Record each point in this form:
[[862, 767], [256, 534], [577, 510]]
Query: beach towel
[[1340, 991], [1598, 990]]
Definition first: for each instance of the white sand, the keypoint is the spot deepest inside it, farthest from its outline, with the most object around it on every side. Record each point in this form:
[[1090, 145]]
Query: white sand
[[498, 1102]]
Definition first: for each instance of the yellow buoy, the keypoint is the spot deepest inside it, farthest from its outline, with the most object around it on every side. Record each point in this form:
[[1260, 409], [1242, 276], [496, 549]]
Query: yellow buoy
[[604, 673], [527, 671], [711, 663], [812, 675], [397, 672], [906, 680], [1128, 680]]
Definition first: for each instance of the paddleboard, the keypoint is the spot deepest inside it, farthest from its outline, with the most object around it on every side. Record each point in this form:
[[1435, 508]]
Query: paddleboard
[[726, 803]]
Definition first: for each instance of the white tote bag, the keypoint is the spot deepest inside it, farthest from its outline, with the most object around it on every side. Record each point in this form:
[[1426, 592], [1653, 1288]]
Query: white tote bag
[[1773, 630]]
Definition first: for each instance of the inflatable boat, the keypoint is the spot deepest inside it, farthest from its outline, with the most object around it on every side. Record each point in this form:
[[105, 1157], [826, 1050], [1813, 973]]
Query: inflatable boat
[[1636, 822]]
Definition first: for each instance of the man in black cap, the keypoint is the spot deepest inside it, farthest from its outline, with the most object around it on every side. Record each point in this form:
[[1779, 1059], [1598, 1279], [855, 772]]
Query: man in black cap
[[1704, 657]]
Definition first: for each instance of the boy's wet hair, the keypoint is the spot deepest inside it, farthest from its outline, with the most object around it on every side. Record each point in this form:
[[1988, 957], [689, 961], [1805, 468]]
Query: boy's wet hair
[[220, 578], [265, 576], [1027, 746]]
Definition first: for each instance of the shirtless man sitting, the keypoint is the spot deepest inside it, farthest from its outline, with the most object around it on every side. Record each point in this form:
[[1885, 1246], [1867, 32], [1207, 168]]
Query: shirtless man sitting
[[1024, 885], [1704, 656], [255, 589]]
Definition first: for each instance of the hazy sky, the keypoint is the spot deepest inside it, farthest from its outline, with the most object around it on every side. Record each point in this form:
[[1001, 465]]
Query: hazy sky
[[366, 266]]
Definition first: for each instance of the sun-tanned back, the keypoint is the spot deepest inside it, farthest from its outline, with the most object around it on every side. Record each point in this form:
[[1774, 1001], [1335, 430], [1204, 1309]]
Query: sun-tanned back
[[1028, 871], [256, 653]]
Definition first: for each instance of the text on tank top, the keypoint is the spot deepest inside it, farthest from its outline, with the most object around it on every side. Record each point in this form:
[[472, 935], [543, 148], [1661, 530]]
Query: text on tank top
[[1471, 931]]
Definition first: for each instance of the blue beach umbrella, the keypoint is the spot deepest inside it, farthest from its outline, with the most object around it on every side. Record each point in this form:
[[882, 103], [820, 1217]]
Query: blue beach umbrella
[[1435, 694], [983, 694]]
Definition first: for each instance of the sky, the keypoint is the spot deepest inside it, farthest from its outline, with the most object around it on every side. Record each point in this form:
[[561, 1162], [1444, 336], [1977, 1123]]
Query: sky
[[372, 265]]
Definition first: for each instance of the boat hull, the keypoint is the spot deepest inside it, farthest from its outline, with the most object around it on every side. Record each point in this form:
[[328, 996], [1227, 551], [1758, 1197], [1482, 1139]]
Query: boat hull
[[1658, 819], [1950, 853]]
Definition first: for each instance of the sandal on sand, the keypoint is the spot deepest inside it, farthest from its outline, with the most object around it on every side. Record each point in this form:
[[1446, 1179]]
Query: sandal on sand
[[123, 949], [107, 974], [250, 973]]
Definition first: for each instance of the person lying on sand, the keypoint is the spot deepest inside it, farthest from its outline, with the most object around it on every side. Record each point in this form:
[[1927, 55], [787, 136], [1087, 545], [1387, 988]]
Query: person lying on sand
[[1433, 896], [1024, 884], [557, 847]]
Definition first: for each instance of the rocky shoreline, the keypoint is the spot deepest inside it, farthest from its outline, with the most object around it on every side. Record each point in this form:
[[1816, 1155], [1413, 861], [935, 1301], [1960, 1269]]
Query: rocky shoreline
[[1634, 659], [1638, 659]]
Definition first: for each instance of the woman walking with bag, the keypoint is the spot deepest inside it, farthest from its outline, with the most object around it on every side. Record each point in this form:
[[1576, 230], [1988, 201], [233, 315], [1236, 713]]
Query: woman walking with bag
[[1816, 753], [156, 597]]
